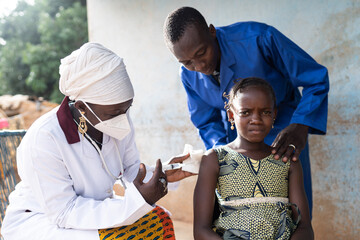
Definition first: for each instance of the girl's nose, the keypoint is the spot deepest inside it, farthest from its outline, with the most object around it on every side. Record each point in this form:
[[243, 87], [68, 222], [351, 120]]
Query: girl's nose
[[256, 118]]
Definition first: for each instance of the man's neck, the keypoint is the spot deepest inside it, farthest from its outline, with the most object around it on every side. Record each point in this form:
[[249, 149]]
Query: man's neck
[[216, 76]]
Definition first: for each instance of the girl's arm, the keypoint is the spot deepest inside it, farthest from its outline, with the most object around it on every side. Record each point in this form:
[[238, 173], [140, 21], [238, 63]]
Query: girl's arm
[[204, 197], [297, 195]]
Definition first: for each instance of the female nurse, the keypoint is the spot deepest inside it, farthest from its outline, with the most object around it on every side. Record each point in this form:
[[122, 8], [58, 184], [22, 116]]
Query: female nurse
[[71, 157]]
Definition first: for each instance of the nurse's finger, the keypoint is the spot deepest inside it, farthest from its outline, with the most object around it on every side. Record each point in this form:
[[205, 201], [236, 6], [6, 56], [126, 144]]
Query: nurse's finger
[[141, 174], [157, 172], [179, 159]]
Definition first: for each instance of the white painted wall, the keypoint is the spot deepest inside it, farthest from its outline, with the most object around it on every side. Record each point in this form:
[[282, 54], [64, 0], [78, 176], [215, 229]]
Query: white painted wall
[[329, 30]]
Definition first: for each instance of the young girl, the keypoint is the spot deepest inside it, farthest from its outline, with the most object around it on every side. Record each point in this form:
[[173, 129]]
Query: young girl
[[259, 197]]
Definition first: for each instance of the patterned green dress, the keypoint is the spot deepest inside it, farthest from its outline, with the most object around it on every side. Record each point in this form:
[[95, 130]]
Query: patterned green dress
[[253, 197]]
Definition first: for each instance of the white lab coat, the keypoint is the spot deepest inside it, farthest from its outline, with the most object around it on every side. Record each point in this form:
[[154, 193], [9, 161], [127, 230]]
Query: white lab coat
[[66, 188]]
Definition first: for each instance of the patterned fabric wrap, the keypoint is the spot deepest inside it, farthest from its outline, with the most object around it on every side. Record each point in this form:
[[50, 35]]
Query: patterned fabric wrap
[[241, 177], [156, 225]]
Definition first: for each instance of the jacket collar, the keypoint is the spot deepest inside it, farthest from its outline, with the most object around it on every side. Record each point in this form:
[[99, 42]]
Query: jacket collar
[[67, 123], [227, 60]]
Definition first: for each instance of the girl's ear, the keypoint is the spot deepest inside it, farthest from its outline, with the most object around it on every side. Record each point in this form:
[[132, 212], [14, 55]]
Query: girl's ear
[[230, 114], [275, 113]]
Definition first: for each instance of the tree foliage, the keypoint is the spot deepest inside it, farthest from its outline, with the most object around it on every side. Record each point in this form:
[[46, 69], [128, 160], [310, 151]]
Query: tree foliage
[[37, 37]]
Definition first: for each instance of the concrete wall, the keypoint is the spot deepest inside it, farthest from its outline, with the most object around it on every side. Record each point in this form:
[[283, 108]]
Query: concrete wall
[[328, 30]]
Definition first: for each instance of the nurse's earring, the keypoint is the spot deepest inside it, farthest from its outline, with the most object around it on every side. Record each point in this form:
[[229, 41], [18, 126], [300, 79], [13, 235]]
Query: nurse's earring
[[82, 127], [273, 123], [232, 124]]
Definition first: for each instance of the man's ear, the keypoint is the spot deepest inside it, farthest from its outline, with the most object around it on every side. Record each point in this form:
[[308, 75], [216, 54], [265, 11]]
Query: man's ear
[[212, 30]]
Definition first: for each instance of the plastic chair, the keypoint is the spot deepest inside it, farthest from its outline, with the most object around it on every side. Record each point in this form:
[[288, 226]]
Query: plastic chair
[[9, 141]]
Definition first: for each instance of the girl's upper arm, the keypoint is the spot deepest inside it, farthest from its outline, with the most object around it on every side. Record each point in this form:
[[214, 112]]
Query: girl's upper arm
[[297, 196], [204, 194]]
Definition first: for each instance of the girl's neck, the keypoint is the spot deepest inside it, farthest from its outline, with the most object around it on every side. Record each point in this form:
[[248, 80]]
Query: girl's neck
[[254, 150]]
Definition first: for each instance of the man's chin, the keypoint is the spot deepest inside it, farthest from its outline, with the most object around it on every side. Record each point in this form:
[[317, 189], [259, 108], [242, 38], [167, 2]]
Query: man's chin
[[208, 72]]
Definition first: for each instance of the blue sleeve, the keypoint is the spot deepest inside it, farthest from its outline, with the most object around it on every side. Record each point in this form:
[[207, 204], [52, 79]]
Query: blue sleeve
[[207, 119], [303, 71]]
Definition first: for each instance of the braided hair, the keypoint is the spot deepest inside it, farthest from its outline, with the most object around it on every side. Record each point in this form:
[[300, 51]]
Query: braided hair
[[242, 84]]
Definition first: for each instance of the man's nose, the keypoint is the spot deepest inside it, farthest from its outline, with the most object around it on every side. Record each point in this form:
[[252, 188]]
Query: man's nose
[[199, 65]]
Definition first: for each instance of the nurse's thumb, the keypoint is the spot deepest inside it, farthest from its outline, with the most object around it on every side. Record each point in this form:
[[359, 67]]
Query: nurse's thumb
[[141, 174]]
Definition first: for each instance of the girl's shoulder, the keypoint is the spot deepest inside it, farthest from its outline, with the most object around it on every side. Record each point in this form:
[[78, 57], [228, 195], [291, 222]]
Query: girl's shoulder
[[279, 162], [209, 162], [223, 148], [222, 151]]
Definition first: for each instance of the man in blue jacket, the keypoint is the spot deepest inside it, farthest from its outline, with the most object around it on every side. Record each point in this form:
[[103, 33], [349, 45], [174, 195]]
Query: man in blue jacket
[[213, 58]]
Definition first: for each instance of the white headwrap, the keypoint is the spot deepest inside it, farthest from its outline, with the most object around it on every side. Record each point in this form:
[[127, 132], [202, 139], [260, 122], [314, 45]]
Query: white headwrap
[[96, 75]]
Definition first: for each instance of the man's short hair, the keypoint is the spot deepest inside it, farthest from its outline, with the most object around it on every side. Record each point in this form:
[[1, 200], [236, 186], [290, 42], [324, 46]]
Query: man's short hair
[[178, 20]]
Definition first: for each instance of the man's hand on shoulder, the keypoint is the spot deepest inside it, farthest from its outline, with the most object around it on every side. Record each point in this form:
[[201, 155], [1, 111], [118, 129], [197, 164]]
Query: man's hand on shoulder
[[289, 143]]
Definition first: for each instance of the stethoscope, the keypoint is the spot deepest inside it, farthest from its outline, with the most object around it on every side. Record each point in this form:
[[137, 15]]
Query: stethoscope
[[119, 178]]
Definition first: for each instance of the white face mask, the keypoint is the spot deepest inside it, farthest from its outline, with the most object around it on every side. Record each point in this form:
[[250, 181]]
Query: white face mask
[[117, 127]]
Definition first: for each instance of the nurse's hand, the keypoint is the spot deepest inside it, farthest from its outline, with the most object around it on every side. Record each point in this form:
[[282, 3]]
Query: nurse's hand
[[178, 174], [289, 143], [155, 188]]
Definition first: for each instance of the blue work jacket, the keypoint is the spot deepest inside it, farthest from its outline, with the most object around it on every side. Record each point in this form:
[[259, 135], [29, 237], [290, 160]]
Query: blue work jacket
[[251, 49]]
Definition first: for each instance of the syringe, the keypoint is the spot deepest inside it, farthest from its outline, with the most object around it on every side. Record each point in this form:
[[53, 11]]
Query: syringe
[[172, 166], [169, 166]]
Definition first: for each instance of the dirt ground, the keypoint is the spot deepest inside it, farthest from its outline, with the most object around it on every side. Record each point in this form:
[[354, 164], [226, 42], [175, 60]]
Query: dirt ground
[[21, 111]]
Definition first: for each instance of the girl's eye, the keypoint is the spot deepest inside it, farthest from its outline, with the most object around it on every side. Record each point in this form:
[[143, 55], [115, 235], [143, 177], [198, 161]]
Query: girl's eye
[[267, 112], [243, 113]]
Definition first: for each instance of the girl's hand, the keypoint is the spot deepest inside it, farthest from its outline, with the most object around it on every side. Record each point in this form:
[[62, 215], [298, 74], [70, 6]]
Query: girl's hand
[[178, 174], [290, 142]]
